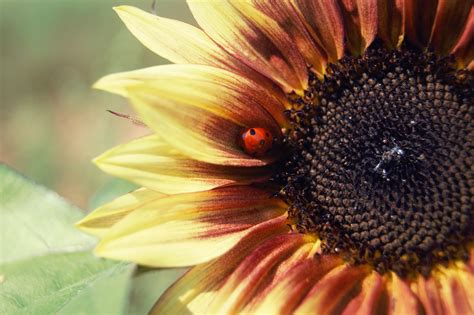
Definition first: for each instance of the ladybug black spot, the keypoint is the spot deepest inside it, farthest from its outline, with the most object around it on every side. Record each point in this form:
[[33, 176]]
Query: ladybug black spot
[[252, 132]]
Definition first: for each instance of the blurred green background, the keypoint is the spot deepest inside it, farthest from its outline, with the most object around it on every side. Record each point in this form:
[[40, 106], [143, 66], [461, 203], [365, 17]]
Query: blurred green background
[[52, 122]]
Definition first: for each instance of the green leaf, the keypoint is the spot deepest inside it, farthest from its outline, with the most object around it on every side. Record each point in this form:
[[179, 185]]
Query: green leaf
[[72, 283], [41, 271], [35, 221]]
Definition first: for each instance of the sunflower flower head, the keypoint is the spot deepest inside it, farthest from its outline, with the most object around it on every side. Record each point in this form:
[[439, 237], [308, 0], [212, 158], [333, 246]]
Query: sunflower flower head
[[305, 156]]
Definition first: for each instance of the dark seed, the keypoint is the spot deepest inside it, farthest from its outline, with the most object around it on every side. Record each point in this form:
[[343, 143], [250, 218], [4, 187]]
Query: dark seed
[[381, 160]]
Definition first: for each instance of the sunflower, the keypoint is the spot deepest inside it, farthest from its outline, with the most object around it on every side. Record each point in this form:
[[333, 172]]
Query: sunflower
[[306, 156]]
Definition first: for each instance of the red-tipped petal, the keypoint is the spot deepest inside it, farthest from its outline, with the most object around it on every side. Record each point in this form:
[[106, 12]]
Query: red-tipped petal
[[325, 22], [279, 275], [291, 21], [470, 263], [438, 24], [450, 22], [253, 38], [368, 299], [242, 284], [360, 23], [427, 291], [391, 16], [470, 66], [464, 49], [456, 291], [329, 294], [283, 289], [196, 289], [419, 18], [401, 299], [286, 293]]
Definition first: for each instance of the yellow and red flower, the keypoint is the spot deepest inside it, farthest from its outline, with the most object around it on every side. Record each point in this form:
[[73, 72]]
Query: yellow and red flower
[[364, 203]]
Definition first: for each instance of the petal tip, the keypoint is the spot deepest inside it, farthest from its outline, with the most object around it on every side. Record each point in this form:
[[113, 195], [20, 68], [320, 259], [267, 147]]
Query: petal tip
[[116, 83], [121, 8], [100, 162], [101, 250], [127, 11], [96, 84], [80, 224], [101, 84], [83, 226], [97, 161]]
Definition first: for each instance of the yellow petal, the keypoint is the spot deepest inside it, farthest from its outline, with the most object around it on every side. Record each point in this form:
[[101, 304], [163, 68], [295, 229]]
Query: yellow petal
[[153, 163], [205, 109], [174, 40], [183, 43], [188, 229], [253, 38], [248, 94], [103, 218], [119, 83], [196, 289]]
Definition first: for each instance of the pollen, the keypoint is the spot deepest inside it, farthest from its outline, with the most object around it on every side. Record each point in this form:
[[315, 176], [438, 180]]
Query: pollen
[[381, 164]]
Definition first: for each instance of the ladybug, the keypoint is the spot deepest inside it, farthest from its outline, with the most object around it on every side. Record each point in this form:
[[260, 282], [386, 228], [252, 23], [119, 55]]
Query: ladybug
[[256, 141]]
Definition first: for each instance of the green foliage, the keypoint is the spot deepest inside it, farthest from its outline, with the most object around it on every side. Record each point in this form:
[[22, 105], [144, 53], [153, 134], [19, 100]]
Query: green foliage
[[35, 221], [65, 283], [47, 266]]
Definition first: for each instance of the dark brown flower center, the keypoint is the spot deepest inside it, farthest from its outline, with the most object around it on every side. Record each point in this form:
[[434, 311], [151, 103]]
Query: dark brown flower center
[[381, 165]]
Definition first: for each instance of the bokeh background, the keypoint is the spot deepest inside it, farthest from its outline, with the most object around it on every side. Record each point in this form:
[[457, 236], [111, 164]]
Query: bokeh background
[[52, 122]]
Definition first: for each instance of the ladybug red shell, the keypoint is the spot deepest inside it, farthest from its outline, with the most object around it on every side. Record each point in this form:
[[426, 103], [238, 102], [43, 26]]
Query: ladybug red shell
[[256, 141]]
